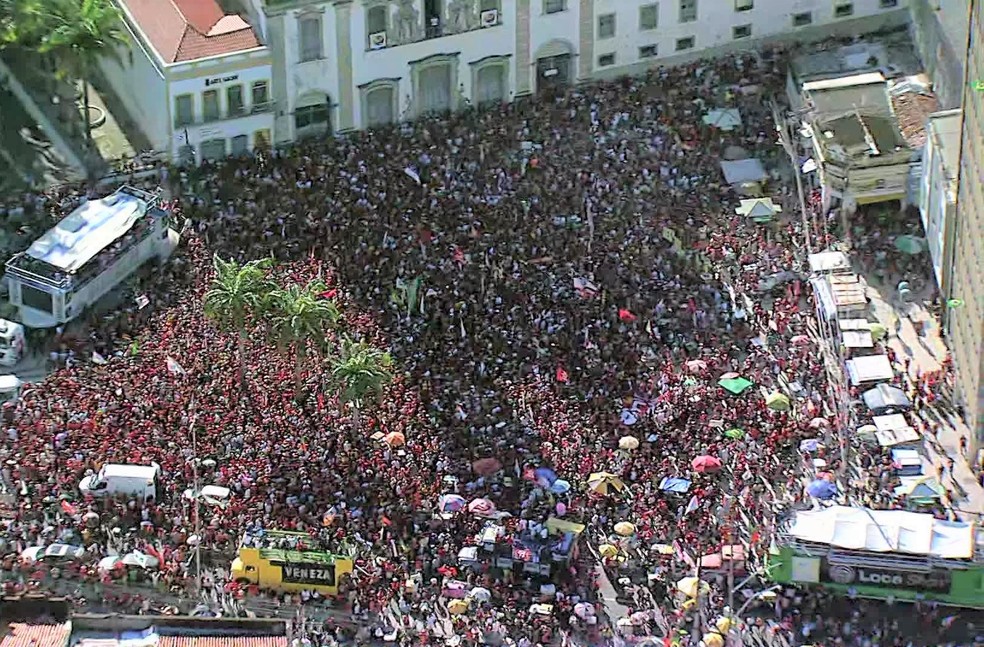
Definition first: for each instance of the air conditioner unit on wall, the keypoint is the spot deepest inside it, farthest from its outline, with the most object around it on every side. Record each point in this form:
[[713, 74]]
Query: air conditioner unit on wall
[[377, 40], [490, 18]]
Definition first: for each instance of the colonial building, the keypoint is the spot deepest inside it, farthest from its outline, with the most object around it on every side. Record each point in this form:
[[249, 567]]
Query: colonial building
[[196, 81]]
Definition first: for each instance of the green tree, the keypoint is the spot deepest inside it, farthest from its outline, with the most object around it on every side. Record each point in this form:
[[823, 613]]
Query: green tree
[[360, 371], [21, 23], [80, 32], [238, 292], [299, 315]]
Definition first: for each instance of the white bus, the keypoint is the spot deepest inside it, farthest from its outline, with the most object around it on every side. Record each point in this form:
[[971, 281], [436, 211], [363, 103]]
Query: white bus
[[87, 254]]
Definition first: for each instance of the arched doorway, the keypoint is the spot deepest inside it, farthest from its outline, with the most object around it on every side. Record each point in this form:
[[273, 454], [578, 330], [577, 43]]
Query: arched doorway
[[312, 115], [490, 84], [380, 103], [554, 65], [434, 88]]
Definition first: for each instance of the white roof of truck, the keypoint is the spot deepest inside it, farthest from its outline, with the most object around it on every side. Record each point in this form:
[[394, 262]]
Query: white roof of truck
[[884, 531], [88, 230], [130, 471]]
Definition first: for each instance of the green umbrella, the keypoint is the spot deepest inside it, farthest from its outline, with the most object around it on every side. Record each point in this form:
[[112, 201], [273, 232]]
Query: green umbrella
[[690, 382], [911, 245], [734, 434], [734, 385]]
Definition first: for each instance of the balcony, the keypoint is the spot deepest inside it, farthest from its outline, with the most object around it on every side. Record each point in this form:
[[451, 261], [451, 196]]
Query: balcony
[[408, 26], [227, 115]]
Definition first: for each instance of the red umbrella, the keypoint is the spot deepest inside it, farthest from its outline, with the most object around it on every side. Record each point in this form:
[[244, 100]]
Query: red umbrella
[[486, 466], [703, 464]]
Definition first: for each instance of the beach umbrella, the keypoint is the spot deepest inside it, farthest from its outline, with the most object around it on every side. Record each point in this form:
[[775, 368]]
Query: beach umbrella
[[777, 401], [451, 503], [560, 486], [704, 464], [608, 551], [486, 466], [604, 482], [817, 423], [457, 607], [624, 528], [822, 489], [911, 245], [696, 365], [544, 476], [734, 385], [395, 439], [735, 434], [691, 587], [628, 442], [713, 639], [480, 593], [481, 507]]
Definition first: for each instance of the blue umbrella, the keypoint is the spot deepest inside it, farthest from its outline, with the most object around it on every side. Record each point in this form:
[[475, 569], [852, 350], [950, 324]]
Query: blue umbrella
[[822, 489], [544, 476], [560, 486]]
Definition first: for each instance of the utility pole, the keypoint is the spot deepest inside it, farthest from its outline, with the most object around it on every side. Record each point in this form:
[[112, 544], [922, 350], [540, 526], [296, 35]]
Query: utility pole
[[787, 141]]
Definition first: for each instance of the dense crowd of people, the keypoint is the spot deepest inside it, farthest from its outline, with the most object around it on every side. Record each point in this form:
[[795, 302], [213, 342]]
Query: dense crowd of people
[[583, 280]]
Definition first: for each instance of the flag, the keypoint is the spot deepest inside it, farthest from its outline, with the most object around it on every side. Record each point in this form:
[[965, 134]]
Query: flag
[[412, 174], [562, 375], [955, 303], [69, 509], [97, 358], [174, 368], [329, 294], [692, 505], [134, 347], [626, 316]]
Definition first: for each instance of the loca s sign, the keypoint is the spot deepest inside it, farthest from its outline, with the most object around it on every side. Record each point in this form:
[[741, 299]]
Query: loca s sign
[[933, 581], [309, 574]]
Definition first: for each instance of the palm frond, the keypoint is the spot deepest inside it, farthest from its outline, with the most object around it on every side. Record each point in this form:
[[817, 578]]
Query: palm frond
[[361, 371]]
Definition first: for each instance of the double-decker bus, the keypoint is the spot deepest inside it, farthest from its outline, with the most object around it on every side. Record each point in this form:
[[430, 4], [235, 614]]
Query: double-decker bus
[[882, 554], [87, 254], [284, 560]]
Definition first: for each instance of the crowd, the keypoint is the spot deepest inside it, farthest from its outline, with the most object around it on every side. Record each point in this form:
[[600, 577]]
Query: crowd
[[583, 278]]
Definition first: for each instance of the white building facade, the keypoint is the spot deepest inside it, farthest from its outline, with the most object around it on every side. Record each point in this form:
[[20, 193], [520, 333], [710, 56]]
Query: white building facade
[[198, 83], [938, 190]]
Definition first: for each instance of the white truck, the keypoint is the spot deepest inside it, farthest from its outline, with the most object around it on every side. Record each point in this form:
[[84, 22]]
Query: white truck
[[141, 481], [12, 343]]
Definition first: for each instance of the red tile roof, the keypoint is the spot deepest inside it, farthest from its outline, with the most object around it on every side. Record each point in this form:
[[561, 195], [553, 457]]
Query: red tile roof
[[185, 30], [18, 634], [222, 641]]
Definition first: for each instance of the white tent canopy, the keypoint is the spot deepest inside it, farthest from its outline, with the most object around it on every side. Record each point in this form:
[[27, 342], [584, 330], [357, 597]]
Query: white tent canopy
[[884, 531], [872, 368]]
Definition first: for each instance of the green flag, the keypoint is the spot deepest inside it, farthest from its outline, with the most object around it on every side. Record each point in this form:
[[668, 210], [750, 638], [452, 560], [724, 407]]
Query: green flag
[[955, 303], [134, 347]]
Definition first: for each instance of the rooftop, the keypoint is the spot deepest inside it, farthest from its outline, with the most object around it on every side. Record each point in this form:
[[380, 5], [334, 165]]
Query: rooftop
[[892, 56], [22, 634], [860, 134], [867, 93], [187, 30], [913, 106]]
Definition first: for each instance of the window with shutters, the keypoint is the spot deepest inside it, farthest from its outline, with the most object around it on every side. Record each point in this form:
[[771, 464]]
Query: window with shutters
[[184, 110], [802, 19], [376, 22], [844, 10], [210, 105], [648, 51], [606, 60], [688, 10], [309, 28], [744, 5], [261, 95], [606, 26], [685, 43], [554, 6], [311, 116], [648, 17], [741, 31], [240, 145], [234, 100]]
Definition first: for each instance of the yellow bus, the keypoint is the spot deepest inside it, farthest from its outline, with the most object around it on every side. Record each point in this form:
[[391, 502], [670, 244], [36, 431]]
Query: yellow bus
[[263, 560]]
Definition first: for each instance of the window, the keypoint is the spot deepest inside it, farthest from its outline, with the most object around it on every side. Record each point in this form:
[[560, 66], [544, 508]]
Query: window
[[688, 10], [261, 138], [606, 26], [648, 17], [802, 19], [234, 100], [648, 51], [684, 43], [844, 10], [376, 20], [888, 4], [310, 115], [213, 149], [553, 6], [741, 31], [606, 59], [210, 105], [309, 28], [37, 299], [184, 110], [261, 95], [744, 5], [240, 145]]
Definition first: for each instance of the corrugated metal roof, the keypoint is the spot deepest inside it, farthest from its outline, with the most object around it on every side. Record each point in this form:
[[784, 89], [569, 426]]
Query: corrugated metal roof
[[19, 634], [221, 641]]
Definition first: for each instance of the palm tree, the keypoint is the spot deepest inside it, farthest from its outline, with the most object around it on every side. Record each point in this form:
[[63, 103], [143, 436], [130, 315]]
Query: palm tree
[[361, 371], [78, 33], [237, 293], [298, 315], [21, 23]]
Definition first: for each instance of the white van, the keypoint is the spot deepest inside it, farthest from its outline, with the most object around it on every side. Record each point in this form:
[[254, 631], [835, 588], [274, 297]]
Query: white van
[[12, 343], [134, 480], [10, 388]]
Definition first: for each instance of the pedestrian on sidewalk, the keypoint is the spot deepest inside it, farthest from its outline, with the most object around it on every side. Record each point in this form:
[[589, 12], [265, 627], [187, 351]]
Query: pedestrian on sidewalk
[[963, 446]]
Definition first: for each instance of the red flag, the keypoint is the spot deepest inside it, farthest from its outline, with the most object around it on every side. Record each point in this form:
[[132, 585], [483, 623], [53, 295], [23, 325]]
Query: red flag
[[386, 521], [329, 294], [68, 508], [561, 374], [626, 316]]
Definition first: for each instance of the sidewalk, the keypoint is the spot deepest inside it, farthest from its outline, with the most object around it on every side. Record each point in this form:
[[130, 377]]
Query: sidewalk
[[926, 354]]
